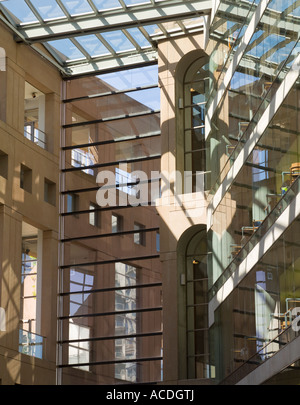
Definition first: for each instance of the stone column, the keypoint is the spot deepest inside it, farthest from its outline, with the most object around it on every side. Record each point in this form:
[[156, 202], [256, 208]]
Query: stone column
[[10, 274]]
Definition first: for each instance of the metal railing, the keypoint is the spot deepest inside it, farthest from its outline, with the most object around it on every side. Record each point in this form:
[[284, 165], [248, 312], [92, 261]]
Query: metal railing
[[35, 135]]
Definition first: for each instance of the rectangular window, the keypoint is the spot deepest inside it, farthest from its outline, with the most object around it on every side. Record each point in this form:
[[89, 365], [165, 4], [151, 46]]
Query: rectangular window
[[125, 181], [139, 237], [30, 340], [49, 192], [34, 115], [126, 323], [94, 216], [157, 241], [3, 164], [116, 223], [79, 352], [260, 160], [72, 202], [26, 178]]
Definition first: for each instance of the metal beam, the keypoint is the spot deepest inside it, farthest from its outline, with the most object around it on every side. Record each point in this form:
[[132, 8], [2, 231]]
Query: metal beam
[[110, 63]]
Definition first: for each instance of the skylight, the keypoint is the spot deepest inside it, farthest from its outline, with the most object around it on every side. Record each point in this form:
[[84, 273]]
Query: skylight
[[87, 36]]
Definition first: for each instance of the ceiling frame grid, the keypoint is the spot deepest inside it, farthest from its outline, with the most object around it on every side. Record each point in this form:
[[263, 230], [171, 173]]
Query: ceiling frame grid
[[90, 36]]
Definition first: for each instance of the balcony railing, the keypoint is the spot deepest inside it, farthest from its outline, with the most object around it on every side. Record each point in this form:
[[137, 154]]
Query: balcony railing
[[35, 135], [31, 344]]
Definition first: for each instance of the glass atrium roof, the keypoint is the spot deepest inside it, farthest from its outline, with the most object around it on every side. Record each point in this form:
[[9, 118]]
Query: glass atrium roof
[[86, 36]]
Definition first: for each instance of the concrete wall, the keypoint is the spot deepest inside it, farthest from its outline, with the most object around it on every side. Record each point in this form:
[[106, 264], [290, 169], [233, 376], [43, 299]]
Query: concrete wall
[[19, 205], [178, 213]]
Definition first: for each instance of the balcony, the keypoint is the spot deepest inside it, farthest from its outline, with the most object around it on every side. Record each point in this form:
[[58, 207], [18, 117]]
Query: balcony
[[35, 135]]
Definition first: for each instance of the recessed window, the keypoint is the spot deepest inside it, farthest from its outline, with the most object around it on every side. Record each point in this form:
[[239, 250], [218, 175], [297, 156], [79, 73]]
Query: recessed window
[[50, 192], [94, 215], [157, 241], [72, 202], [30, 342], [139, 237], [116, 223], [26, 178], [34, 115], [3, 164]]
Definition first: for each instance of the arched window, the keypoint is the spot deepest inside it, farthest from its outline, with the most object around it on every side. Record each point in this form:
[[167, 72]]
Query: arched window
[[192, 85], [193, 304]]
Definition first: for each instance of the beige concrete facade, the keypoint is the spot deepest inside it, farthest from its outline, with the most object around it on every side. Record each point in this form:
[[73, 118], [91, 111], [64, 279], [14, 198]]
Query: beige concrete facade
[[20, 206], [180, 214]]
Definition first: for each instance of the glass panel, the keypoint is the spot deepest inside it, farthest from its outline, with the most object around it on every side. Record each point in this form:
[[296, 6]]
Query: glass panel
[[20, 10], [101, 261], [252, 87], [106, 4], [195, 89], [139, 37], [123, 80], [111, 107], [132, 78], [92, 45], [31, 344], [79, 255], [264, 187], [118, 130], [118, 41], [259, 311], [48, 11], [77, 7], [134, 2], [65, 49], [153, 29]]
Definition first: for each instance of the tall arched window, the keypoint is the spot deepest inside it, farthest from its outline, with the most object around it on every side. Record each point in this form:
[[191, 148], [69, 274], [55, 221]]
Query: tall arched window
[[192, 87], [193, 304]]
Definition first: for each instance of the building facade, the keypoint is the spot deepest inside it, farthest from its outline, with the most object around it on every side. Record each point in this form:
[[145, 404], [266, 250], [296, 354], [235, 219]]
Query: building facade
[[149, 198]]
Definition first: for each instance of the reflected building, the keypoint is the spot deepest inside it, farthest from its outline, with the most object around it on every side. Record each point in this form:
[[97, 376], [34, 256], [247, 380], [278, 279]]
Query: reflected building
[[149, 191]]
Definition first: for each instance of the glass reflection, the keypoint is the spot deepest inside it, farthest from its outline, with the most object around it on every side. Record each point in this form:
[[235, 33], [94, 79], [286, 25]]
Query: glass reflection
[[261, 308], [125, 300], [111, 318]]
